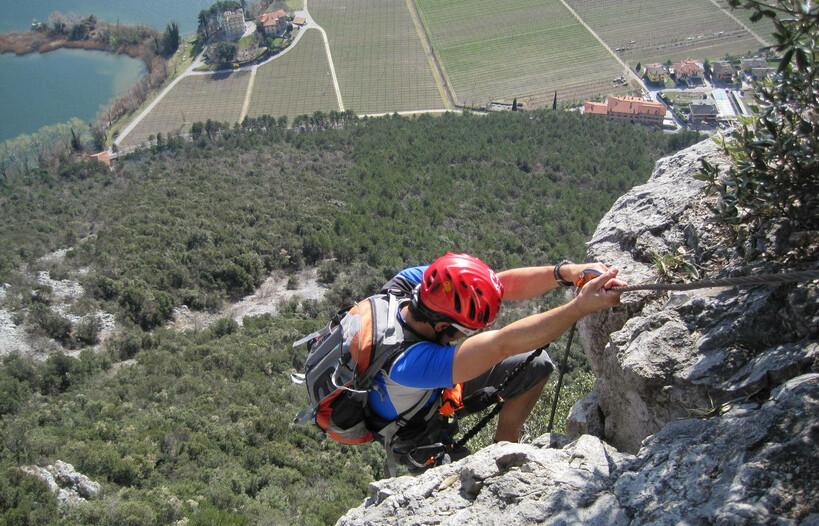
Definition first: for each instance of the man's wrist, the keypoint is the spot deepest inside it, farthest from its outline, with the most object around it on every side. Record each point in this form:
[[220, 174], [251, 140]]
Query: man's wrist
[[558, 278]]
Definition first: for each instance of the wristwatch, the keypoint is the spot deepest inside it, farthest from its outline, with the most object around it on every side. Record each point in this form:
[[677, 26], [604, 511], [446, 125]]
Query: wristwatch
[[560, 280]]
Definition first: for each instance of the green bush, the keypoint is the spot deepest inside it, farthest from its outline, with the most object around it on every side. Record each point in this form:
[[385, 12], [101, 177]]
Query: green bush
[[52, 324], [25, 500], [775, 172], [87, 331]]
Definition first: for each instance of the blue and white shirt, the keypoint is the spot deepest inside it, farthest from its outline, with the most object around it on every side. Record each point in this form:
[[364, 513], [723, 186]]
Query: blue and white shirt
[[422, 370]]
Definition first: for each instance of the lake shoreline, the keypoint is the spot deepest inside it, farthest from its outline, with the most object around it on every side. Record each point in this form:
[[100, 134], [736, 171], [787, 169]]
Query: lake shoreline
[[23, 43]]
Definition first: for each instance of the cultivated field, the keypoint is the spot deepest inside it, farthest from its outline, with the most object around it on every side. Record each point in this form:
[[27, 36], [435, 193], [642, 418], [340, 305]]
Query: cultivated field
[[524, 49], [649, 31], [296, 83], [519, 49], [764, 28], [217, 97], [379, 59]]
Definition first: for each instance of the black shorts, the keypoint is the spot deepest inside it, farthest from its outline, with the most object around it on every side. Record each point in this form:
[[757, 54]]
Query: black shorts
[[535, 372]]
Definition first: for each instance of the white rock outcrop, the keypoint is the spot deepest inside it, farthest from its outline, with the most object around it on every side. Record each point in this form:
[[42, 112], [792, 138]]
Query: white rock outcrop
[[71, 487]]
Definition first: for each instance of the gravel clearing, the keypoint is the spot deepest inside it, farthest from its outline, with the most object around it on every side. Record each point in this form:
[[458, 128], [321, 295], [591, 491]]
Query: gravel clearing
[[267, 298]]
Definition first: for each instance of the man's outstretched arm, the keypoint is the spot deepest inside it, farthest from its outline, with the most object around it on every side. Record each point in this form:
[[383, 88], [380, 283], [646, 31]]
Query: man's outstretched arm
[[478, 353], [530, 282]]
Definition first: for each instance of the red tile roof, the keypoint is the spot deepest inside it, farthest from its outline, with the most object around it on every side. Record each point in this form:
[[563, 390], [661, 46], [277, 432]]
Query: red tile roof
[[627, 106], [268, 19], [688, 67], [596, 107], [634, 106], [102, 157]]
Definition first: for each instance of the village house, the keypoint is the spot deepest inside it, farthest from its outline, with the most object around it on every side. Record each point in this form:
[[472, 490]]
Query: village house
[[689, 71], [632, 109], [655, 73], [756, 68], [273, 24], [702, 111], [233, 24], [723, 72]]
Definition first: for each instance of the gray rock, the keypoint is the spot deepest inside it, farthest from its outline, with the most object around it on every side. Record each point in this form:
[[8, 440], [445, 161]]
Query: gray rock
[[72, 488], [662, 357], [750, 466], [503, 484]]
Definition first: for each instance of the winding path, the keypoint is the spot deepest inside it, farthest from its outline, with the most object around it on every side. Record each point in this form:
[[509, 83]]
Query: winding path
[[197, 62]]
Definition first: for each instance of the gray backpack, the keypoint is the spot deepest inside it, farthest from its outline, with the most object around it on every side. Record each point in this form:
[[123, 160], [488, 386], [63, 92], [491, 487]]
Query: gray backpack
[[342, 360]]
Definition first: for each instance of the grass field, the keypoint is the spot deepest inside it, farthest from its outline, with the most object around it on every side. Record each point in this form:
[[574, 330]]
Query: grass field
[[298, 82], [764, 28], [663, 30], [195, 98], [524, 49], [379, 59]]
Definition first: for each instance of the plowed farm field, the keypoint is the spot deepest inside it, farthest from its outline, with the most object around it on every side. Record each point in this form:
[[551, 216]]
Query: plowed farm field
[[649, 31], [378, 55], [297, 83], [519, 49]]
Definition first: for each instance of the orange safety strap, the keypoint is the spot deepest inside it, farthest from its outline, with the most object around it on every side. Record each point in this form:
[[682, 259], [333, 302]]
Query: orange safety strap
[[451, 400]]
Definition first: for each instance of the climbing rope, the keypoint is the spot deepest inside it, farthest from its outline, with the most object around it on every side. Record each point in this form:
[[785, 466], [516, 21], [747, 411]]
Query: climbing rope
[[763, 279]]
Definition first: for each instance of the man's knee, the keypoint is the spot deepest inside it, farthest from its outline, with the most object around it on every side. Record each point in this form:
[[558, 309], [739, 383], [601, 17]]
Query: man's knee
[[533, 376]]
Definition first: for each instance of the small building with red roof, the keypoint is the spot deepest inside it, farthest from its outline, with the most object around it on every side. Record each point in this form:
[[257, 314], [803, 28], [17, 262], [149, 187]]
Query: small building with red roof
[[273, 24]]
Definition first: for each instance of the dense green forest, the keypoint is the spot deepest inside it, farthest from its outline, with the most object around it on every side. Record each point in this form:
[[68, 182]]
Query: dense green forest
[[196, 424]]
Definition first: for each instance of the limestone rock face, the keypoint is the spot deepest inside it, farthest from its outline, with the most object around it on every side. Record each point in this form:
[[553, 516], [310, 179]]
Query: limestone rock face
[[503, 484], [706, 405], [71, 487], [751, 466], [661, 357]]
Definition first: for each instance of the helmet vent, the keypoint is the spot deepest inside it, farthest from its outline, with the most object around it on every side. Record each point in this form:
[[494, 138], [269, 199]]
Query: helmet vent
[[457, 299]]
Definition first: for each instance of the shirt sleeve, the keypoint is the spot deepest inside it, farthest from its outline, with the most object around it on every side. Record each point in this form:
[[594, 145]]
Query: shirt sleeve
[[425, 365]]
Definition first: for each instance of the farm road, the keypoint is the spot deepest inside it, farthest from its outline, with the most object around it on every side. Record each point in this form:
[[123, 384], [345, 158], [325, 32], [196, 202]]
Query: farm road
[[628, 70], [197, 62], [761, 40]]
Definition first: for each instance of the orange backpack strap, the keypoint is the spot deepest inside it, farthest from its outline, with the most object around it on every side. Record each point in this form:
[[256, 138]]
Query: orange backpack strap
[[451, 400]]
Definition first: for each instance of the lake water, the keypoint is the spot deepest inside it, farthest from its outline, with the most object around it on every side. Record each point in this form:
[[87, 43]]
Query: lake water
[[17, 14], [38, 90], [42, 89]]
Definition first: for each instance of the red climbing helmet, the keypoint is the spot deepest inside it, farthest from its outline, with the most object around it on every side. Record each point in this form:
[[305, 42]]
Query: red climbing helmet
[[463, 288]]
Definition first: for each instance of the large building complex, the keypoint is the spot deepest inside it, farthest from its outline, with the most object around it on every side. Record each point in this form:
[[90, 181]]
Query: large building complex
[[633, 109]]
